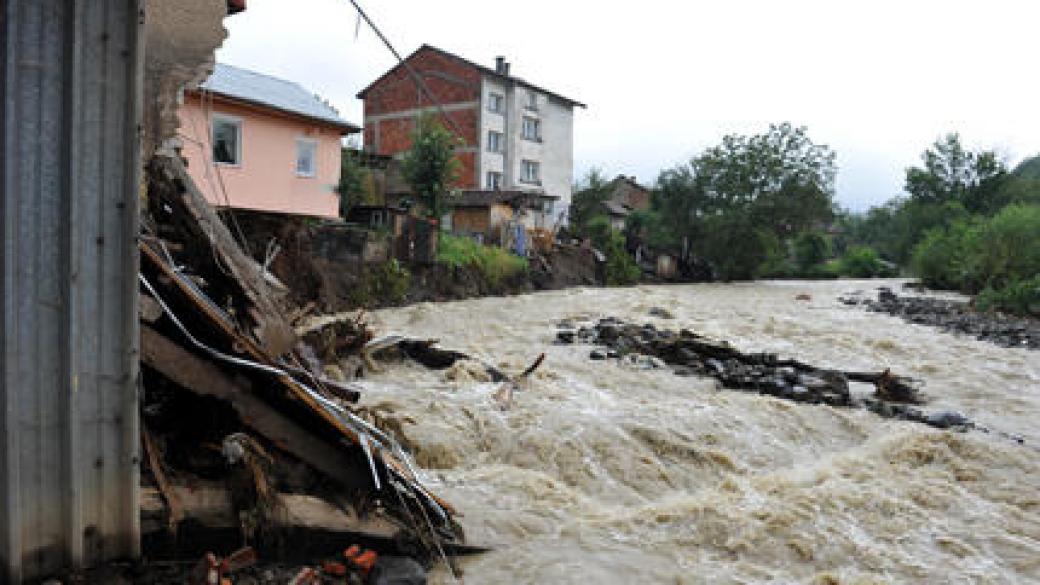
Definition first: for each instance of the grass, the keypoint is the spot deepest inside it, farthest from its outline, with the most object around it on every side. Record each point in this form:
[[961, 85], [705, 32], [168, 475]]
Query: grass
[[495, 264]]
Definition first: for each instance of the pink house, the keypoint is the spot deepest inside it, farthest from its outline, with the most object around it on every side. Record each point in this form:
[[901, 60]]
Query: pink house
[[257, 142]]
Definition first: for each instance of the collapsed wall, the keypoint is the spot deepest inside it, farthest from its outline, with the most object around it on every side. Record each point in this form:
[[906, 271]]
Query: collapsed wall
[[180, 38]]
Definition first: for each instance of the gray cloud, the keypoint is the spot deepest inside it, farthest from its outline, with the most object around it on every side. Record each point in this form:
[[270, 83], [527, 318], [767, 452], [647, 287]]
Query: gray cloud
[[877, 81]]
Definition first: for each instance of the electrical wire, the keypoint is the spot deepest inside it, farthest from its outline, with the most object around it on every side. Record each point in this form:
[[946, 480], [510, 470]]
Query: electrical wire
[[408, 67]]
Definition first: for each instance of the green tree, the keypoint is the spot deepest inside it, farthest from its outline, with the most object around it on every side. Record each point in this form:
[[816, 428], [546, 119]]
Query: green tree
[[648, 226], [352, 177], [780, 177], [430, 167], [1028, 168], [739, 202], [586, 203], [810, 248], [735, 247], [952, 174], [620, 268]]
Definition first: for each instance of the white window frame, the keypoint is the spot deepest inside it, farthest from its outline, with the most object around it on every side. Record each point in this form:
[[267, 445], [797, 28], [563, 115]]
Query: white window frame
[[534, 123], [237, 123], [496, 98], [493, 180], [526, 166], [500, 146], [300, 141]]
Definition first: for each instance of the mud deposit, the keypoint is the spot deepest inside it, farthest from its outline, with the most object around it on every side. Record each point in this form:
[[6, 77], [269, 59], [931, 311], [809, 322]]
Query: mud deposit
[[603, 472]]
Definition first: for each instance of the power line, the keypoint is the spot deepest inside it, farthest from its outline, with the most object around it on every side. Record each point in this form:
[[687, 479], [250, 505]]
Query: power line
[[408, 67]]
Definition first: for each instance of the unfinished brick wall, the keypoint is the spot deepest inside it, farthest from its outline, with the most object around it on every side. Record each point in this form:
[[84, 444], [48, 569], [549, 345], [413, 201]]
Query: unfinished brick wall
[[393, 103], [448, 79], [394, 135], [467, 171]]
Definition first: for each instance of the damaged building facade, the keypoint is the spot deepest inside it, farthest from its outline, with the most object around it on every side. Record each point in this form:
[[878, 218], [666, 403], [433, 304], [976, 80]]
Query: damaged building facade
[[145, 361]]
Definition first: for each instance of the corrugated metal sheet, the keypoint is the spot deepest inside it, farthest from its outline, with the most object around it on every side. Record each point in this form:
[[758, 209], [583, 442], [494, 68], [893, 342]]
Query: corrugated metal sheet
[[68, 330]]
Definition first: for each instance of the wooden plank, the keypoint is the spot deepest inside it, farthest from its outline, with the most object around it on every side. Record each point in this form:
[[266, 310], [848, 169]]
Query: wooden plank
[[294, 389], [210, 505], [273, 329], [155, 463], [202, 377]]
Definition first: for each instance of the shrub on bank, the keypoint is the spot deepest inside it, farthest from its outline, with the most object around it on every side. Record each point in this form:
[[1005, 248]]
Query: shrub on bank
[[382, 284], [493, 263], [993, 253], [944, 260], [810, 250], [864, 262], [1020, 297], [620, 267], [1008, 247]]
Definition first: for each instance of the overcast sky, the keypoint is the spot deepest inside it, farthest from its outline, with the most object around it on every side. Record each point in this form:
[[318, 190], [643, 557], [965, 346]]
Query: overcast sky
[[878, 81]]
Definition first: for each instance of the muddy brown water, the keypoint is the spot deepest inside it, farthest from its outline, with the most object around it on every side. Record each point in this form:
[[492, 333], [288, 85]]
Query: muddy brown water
[[604, 474]]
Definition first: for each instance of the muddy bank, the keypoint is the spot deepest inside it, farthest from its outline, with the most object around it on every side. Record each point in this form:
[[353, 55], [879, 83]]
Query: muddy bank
[[954, 316], [298, 255]]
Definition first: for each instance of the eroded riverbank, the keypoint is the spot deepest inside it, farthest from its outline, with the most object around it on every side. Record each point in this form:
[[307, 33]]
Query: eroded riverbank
[[619, 475]]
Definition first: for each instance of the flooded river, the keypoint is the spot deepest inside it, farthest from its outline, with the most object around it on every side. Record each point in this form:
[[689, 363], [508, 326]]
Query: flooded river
[[604, 474]]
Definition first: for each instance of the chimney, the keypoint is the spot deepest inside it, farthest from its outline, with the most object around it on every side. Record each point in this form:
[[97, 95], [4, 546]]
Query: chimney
[[501, 66]]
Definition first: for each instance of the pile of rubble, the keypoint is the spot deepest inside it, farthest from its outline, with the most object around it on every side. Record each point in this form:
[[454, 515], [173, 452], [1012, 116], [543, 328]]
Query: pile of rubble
[[251, 434], [954, 317], [687, 353]]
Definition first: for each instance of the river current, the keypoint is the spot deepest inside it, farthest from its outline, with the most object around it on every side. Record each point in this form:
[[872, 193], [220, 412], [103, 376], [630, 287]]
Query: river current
[[603, 473]]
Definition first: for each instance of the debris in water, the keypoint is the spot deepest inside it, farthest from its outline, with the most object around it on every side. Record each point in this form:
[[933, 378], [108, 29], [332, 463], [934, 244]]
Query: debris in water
[[647, 347]]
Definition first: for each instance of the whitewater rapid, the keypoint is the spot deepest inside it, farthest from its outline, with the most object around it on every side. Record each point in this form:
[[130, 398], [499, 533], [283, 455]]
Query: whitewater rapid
[[600, 473]]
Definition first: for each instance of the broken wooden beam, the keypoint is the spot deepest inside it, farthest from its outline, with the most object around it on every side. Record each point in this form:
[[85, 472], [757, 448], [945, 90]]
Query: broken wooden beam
[[155, 464], [209, 504], [202, 377]]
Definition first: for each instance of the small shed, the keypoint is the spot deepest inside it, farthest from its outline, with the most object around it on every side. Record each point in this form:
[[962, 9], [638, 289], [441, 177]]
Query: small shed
[[387, 217], [485, 214]]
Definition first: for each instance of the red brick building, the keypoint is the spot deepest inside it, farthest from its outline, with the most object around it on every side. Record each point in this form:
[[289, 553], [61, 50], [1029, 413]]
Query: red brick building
[[515, 135]]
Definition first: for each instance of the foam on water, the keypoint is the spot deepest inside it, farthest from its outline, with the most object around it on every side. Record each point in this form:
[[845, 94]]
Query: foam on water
[[601, 473]]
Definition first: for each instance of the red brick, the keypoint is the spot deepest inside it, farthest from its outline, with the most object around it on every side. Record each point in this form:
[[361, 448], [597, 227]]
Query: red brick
[[467, 171], [395, 135], [450, 81]]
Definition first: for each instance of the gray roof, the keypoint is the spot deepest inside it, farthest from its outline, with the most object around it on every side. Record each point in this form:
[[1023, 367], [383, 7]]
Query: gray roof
[[264, 90], [617, 209], [483, 69]]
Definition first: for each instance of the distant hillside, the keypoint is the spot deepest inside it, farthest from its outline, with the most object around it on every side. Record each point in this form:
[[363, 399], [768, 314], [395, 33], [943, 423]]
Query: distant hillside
[[1029, 168]]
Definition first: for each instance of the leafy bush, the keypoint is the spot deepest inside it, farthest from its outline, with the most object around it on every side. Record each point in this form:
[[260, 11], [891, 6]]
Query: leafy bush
[[864, 262], [1008, 246], [983, 253], [621, 267], [391, 281], [943, 258], [386, 283], [1022, 297], [810, 249], [493, 263], [599, 230]]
